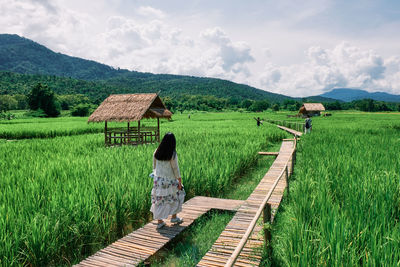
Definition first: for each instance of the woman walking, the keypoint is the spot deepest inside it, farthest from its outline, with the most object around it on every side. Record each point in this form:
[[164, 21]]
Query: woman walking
[[167, 194]]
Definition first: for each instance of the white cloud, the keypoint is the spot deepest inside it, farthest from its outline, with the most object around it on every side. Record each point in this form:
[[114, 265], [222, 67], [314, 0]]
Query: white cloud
[[143, 42], [148, 39], [157, 47], [343, 66], [147, 11], [60, 29]]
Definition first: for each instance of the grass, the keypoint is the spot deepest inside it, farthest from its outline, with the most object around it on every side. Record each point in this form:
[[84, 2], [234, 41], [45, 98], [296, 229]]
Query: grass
[[63, 198], [47, 128], [66, 197], [250, 179], [195, 243], [346, 194]]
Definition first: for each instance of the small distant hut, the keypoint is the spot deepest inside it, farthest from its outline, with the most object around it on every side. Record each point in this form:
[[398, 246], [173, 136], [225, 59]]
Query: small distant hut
[[131, 108], [311, 109]]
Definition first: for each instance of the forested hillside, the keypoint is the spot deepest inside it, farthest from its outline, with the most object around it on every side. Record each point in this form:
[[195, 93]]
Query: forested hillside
[[24, 64], [348, 94], [24, 56], [97, 91], [18, 54]]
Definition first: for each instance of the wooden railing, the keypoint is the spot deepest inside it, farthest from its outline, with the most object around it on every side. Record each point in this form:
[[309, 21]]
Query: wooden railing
[[298, 126], [131, 135], [265, 208]]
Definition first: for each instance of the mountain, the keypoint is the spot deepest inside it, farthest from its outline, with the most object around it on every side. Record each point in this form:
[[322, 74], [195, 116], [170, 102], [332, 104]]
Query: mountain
[[76, 75], [348, 95], [316, 99], [21, 55]]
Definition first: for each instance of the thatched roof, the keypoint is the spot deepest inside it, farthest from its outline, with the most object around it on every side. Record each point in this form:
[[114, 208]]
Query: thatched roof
[[311, 107], [130, 107]]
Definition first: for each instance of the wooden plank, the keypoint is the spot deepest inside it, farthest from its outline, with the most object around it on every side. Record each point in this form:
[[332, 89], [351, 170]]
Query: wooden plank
[[268, 153], [144, 242], [120, 253], [231, 236], [89, 263]]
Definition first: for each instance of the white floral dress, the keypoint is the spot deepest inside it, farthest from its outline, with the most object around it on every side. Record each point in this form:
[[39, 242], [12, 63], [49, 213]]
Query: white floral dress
[[165, 199]]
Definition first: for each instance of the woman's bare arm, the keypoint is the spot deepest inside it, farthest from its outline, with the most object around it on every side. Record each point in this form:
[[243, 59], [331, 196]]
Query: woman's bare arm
[[176, 171]]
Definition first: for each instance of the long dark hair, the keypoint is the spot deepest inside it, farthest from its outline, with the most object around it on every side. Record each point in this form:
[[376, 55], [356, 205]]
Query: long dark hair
[[166, 149]]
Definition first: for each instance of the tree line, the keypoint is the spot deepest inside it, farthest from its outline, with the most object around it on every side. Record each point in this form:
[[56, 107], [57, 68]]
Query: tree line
[[43, 102]]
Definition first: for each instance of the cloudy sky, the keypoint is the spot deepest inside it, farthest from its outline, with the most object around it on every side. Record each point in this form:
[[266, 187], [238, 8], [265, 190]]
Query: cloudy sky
[[293, 47]]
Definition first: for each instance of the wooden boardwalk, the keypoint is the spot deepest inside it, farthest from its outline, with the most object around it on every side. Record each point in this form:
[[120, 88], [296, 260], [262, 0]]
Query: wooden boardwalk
[[229, 239], [294, 132], [141, 244]]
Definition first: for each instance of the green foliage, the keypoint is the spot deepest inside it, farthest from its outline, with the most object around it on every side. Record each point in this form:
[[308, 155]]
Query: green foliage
[[42, 97], [344, 205], [68, 101], [81, 110], [196, 102], [22, 101], [197, 241], [7, 103], [275, 107], [47, 128], [39, 113], [365, 105], [291, 105], [172, 86], [258, 106], [25, 56], [69, 194], [371, 105], [6, 116], [179, 92], [246, 103], [333, 106]]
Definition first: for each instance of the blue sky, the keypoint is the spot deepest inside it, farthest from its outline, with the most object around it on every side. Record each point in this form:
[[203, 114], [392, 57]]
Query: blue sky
[[293, 47]]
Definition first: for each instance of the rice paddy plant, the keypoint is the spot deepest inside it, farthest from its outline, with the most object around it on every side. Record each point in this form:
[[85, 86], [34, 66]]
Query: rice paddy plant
[[196, 242], [345, 199], [47, 128], [64, 198]]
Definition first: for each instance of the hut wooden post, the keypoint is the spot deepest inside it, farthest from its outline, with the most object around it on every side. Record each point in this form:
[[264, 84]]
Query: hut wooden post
[[105, 133], [158, 130], [129, 135], [139, 140]]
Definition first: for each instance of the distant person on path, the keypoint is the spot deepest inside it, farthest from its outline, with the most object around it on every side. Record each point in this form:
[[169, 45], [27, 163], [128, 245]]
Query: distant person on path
[[167, 194], [308, 125], [259, 121]]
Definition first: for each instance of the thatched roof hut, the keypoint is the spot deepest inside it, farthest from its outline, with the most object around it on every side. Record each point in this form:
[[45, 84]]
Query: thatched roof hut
[[129, 108], [311, 109]]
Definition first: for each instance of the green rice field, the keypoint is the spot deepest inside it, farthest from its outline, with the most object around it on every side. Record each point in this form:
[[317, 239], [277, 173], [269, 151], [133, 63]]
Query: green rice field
[[63, 198], [46, 128], [64, 195], [344, 207]]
